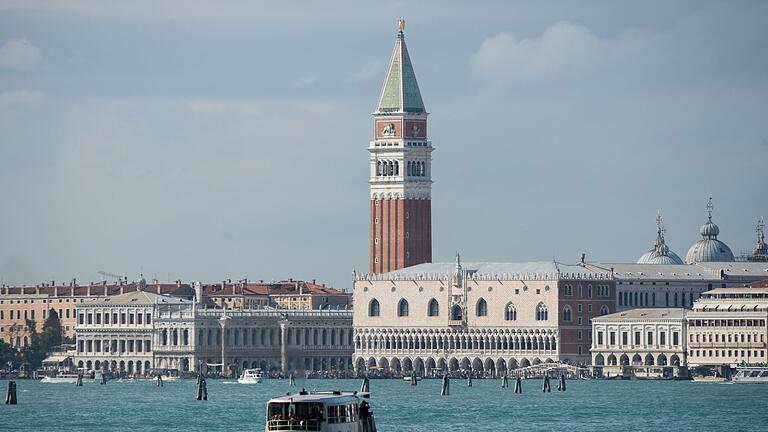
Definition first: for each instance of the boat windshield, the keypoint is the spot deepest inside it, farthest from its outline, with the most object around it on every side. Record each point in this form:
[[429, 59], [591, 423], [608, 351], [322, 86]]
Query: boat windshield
[[302, 416]]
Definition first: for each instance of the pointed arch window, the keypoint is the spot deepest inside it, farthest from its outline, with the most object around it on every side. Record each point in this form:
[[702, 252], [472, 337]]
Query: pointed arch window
[[402, 308], [567, 313], [510, 313], [456, 314], [374, 309], [542, 314], [433, 309], [482, 308]]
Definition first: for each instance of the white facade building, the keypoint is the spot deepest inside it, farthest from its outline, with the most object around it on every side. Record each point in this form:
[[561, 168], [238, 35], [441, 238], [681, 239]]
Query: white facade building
[[117, 333], [639, 337]]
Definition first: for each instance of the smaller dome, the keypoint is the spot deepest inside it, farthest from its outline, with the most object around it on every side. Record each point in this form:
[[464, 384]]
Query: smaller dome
[[660, 254], [709, 248], [653, 257], [709, 230]]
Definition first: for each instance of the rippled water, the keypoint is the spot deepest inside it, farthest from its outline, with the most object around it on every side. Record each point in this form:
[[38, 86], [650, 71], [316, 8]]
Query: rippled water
[[587, 405]]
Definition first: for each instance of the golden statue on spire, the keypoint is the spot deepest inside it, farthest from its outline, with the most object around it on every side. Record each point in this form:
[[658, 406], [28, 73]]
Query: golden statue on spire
[[401, 24]]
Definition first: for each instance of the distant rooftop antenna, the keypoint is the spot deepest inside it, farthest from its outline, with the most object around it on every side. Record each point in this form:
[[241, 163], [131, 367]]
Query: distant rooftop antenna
[[112, 275]]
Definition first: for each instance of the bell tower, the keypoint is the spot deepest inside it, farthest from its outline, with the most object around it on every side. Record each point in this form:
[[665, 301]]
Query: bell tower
[[400, 170]]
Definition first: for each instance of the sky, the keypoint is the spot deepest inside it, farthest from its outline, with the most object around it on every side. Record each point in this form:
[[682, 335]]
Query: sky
[[225, 140]]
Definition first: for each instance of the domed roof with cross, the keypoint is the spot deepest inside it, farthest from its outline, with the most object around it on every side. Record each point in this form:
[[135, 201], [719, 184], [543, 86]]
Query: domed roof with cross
[[709, 248]]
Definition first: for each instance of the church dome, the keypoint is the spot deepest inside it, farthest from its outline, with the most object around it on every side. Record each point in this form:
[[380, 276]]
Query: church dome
[[709, 229], [660, 254], [653, 257], [709, 248]]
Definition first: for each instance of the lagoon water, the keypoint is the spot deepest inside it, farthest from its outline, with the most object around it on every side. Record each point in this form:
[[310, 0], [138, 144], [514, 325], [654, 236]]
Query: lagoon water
[[397, 406]]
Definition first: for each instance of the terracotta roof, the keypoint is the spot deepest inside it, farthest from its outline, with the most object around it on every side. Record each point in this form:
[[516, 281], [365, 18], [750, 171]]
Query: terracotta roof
[[289, 287], [99, 289]]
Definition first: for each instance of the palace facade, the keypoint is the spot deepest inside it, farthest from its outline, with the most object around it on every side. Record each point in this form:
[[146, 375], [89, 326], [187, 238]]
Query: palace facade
[[480, 317]]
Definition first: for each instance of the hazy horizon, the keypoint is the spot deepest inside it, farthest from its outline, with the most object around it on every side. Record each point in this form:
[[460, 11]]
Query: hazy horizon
[[209, 142]]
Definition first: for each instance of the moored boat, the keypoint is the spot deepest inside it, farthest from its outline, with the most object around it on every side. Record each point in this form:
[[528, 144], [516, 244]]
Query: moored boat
[[709, 377], [320, 411], [250, 376], [409, 379], [751, 375]]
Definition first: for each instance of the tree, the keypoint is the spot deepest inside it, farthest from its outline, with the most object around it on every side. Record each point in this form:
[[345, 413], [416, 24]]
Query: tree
[[8, 355], [52, 326]]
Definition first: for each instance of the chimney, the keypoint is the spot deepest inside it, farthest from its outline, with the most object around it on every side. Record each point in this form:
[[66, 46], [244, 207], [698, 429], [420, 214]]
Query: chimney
[[158, 288], [178, 283], [314, 281], [104, 284], [88, 290], [122, 288], [198, 292], [53, 283], [37, 289], [55, 290], [583, 257]]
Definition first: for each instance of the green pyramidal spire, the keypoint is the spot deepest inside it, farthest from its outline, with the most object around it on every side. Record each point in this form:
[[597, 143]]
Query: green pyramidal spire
[[401, 91]]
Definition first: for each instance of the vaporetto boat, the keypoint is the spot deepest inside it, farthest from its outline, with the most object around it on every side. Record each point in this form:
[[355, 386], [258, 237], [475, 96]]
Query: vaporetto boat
[[61, 378], [751, 375], [320, 411]]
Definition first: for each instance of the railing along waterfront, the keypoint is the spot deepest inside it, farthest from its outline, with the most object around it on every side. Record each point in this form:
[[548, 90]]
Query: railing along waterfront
[[275, 313]]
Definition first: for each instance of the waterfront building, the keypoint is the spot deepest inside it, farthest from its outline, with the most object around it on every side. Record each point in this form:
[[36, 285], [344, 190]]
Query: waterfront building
[[136, 331], [400, 170], [117, 332], [21, 303], [727, 326], [639, 338], [272, 339], [481, 317]]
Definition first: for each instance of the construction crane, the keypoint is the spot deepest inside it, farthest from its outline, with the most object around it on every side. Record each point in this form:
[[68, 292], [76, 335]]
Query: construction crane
[[105, 274]]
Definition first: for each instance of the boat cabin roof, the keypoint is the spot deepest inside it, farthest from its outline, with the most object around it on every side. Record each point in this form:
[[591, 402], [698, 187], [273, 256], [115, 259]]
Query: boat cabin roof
[[327, 397]]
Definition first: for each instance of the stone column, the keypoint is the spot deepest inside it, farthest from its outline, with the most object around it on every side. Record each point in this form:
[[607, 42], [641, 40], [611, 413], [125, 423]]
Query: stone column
[[223, 321], [284, 346]]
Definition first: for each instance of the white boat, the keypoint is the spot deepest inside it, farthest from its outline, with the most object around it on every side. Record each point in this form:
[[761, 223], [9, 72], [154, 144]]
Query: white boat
[[751, 374], [250, 376], [407, 378], [711, 377], [61, 378], [320, 411]]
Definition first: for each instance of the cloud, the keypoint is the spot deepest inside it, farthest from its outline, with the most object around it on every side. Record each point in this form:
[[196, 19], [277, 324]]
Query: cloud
[[22, 98], [371, 69], [19, 54], [306, 80], [563, 48]]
